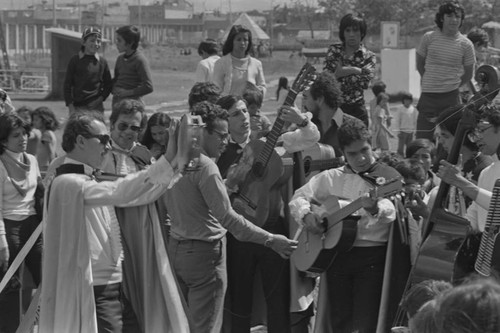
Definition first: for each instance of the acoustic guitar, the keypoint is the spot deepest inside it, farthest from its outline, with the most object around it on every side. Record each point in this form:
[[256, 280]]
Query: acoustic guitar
[[319, 157], [257, 196], [316, 252]]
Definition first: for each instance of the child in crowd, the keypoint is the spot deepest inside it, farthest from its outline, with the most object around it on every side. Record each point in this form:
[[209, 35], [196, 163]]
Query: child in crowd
[[209, 51], [405, 122], [282, 90], [132, 74], [35, 135], [377, 88], [88, 79], [45, 120], [156, 135], [5, 102], [381, 122], [423, 151], [260, 125]]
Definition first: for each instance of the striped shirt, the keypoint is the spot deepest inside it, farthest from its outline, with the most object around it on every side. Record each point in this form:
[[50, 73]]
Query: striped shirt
[[445, 59]]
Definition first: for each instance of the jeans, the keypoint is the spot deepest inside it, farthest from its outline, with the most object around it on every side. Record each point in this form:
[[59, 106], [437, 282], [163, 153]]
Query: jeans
[[354, 289], [200, 268], [18, 233]]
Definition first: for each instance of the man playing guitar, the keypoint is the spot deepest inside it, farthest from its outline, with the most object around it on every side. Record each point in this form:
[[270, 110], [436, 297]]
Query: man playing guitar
[[355, 277]]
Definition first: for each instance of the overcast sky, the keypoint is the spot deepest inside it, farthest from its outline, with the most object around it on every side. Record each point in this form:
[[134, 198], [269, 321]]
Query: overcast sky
[[199, 5]]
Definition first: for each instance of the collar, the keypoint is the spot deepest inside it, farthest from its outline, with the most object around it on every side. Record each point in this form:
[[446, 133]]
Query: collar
[[338, 117], [243, 144], [88, 170], [127, 57], [16, 156], [82, 54], [118, 149]]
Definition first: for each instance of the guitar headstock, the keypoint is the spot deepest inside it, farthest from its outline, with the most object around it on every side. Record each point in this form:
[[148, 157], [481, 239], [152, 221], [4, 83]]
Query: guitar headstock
[[305, 78]]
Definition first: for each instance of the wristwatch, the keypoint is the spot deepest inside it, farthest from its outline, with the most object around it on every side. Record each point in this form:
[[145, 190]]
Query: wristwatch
[[304, 122], [269, 240]]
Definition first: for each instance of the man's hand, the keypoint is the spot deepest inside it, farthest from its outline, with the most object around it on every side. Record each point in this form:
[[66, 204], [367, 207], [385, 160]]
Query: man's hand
[[283, 246], [313, 223], [369, 203], [4, 254], [291, 114], [451, 174]]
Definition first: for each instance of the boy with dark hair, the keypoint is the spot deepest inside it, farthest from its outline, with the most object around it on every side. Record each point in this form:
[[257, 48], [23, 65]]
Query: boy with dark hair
[[208, 50], [88, 80], [260, 125], [405, 122], [132, 74], [355, 277]]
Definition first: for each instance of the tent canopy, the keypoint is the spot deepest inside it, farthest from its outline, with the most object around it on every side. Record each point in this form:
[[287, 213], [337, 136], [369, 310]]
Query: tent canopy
[[247, 22]]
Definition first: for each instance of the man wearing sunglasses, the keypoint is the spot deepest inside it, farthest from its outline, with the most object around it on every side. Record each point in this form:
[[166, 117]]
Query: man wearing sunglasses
[[487, 137], [139, 225], [82, 264]]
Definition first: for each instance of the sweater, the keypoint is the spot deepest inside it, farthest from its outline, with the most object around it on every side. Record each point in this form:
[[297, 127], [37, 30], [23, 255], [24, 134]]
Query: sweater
[[133, 73]]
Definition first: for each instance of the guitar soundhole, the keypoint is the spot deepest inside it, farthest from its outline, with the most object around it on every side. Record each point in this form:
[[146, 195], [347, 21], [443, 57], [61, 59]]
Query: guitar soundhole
[[307, 166], [258, 169]]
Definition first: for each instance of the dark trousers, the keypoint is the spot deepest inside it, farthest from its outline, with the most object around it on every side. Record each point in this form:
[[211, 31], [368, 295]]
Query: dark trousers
[[113, 311], [243, 261], [404, 140], [358, 111], [429, 106], [17, 234], [354, 289]]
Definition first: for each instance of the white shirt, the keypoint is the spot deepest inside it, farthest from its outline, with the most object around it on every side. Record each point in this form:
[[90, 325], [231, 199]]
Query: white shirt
[[106, 252], [478, 210], [348, 186], [406, 119], [205, 69]]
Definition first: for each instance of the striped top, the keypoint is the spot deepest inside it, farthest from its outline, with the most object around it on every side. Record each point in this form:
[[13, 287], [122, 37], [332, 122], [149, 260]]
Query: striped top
[[445, 59]]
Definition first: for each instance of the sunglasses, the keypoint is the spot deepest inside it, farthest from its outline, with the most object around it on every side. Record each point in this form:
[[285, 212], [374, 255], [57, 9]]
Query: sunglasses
[[103, 138], [124, 126]]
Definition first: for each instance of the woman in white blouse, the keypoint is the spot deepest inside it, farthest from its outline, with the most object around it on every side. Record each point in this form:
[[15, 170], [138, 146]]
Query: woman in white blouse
[[19, 176], [236, 67]]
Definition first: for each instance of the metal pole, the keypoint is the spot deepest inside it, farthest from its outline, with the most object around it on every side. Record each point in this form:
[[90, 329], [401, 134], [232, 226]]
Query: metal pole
[[79, 16], [54, 19], [140, 15]]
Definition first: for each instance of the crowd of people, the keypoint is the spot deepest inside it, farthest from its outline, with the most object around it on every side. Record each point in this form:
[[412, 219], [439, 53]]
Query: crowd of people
[[149, 225]]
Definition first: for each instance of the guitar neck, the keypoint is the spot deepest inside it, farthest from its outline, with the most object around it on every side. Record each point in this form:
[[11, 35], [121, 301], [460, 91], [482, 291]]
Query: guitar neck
[[275, 133]]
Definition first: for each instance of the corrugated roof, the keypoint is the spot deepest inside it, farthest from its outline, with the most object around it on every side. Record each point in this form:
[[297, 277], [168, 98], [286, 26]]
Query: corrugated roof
[[246, 21], [69, 33]]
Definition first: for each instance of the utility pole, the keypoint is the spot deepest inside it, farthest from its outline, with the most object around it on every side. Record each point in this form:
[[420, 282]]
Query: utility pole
[[271, 30], [54, 19], [140, 15], [230, 13], [79, 16]]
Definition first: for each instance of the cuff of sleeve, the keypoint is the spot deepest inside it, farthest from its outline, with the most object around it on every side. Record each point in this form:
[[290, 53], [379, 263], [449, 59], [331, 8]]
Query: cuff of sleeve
[[304, 207]]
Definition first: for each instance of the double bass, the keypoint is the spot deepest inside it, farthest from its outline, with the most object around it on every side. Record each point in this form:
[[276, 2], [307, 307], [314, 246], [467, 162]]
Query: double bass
[[447, 252]]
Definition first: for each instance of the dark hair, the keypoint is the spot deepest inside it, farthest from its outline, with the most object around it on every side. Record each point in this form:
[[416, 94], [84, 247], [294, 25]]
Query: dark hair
[[351, 130], [449, 119], [127, 107], [156, 119], [8, 122], [327, 86], [47, 117], [355, 20], [203, 91], [491, 114], [382, 96], [391, 158], [227, 102], [282, 84], [253, 95], [421, 293], [79, 123], [23, 109], [378, 87], [209, 46], [130, 34], [473, 307], [449, 7], [411, 170], [210, 112], [479, 36], [406, 96], [424, 320], [418, 144], [229, 43]]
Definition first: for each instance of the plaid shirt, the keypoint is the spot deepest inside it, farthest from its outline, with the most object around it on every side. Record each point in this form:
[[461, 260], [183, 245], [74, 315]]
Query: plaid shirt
[[352, 85]]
